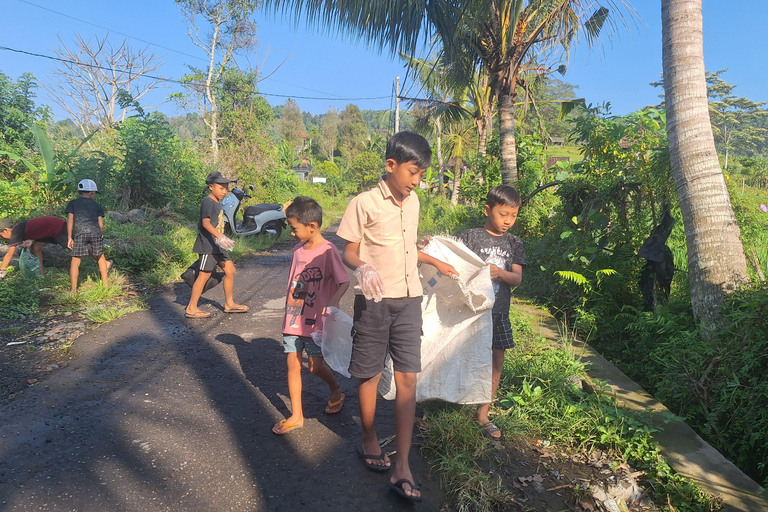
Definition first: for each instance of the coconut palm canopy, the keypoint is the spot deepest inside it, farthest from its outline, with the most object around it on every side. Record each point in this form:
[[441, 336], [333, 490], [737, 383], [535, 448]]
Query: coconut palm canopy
[[499, 37]]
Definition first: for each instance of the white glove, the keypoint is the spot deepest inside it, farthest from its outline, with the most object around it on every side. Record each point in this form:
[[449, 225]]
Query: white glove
[[2, 274], [370, 282], [225, 243]]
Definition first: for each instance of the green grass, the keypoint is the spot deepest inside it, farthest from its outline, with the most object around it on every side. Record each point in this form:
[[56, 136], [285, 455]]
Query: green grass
[[569, 151], [452, 437], [538, 397]]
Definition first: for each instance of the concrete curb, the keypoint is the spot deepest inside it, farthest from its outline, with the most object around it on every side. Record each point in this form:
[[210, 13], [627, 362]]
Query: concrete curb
[[686, 452]]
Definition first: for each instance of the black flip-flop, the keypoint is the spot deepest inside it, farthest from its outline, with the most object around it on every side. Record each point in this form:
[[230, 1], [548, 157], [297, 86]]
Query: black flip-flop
[[375, 467], [397, 488]]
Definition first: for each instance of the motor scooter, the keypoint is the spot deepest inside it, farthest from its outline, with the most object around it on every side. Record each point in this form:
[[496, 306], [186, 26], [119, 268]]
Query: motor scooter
[[259, 219]]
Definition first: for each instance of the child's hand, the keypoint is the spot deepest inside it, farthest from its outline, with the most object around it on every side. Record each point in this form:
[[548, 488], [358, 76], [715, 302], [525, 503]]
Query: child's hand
[[446, 269], [70, 244], [494, 271], [26, 244], [225, 242], [370, 282]]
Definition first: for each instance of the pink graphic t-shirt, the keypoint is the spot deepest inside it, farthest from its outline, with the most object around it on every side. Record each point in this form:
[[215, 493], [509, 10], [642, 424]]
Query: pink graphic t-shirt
[[315, 274]]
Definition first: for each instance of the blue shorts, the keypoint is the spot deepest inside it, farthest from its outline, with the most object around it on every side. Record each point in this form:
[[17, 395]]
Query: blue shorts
[[292, 343]]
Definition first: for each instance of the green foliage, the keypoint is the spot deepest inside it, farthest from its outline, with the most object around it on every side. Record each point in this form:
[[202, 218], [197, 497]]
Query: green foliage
[[16, 199], [438, 216], [19, 296], [151, 247], [736, 121], [152, 171], [18, 114], [103, 313], [451, 435], [352, 132], [540, 398], [479, 175], [365, 170], [753, 223], [718, 385]]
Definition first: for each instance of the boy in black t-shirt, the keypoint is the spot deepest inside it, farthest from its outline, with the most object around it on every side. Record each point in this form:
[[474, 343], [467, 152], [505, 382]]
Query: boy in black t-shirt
[[212, 246], [85, 228], [505, 254]]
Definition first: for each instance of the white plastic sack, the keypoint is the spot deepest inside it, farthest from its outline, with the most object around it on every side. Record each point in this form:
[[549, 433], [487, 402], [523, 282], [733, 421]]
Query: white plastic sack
[[336, 340], [457, 329]]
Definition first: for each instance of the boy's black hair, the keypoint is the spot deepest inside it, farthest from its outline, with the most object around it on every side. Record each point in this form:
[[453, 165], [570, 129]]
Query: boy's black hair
[[405, 147], [503, 194], [305, 210]]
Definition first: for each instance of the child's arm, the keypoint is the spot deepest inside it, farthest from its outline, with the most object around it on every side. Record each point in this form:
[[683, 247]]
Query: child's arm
[[441, 266], [333, 302], [101, 224], [70, 225], [350, 256], [206, 223], [511, 277]]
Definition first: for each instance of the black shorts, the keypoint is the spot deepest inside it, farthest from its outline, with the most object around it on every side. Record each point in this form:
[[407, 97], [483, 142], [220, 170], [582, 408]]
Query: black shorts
[[392, 325], [502, 332], [208, 262], [88, 243]]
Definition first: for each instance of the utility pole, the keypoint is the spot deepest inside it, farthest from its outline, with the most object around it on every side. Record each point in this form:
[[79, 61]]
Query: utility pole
[[397, 104]]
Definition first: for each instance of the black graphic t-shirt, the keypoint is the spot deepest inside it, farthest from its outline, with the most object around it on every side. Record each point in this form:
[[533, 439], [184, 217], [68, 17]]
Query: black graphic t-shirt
[[503, 251], [205, 242]]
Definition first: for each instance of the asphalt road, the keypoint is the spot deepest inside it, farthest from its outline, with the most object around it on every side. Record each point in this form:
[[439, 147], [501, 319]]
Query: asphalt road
[[159, 412]]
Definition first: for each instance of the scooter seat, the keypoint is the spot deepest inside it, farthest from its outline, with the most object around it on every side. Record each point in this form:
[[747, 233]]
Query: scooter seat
[[261, 208]]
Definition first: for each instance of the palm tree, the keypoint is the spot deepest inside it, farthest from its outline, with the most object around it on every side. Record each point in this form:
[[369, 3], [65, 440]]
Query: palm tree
[[716, 262], [495, 35]]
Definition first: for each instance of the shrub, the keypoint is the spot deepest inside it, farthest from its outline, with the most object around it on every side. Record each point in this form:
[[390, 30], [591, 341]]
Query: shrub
[[19, 296]]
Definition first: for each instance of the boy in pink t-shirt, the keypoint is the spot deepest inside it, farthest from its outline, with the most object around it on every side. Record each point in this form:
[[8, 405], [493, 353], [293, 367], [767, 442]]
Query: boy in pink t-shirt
[[317, 280]]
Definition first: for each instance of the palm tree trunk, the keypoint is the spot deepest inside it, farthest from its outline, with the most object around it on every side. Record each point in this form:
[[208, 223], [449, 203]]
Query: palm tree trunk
[[456, 182], [716, 262], [508, 146], [484, 129], [440, 162]]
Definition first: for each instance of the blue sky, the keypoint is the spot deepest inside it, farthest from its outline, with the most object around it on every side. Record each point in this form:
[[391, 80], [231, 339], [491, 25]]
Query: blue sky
[[323, 66]]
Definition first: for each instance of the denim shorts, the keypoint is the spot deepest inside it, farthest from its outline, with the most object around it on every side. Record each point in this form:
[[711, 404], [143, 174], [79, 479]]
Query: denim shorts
[[292, 343]]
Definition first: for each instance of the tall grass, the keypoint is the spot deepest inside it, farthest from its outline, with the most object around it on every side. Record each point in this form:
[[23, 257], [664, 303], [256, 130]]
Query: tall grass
[[539, 395]]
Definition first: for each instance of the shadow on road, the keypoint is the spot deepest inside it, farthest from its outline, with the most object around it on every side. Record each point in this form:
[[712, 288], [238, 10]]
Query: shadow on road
[[160, 413]]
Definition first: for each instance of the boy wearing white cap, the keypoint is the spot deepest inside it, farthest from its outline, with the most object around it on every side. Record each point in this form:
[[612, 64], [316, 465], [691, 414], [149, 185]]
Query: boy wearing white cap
[[85, 228]]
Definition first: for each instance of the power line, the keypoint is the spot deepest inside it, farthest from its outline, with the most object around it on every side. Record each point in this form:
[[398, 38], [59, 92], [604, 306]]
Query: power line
[[171, 80], [110, 30], [156, 44]]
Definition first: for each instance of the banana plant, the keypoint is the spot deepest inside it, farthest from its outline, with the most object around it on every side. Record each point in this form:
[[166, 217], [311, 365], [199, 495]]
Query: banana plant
[[51, 178]]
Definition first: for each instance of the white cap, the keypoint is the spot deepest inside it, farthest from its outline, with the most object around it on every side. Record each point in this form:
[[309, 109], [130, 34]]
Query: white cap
[[87, 186]]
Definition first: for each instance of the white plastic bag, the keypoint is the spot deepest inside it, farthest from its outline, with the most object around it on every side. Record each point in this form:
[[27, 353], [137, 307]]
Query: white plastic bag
[[336, 341]]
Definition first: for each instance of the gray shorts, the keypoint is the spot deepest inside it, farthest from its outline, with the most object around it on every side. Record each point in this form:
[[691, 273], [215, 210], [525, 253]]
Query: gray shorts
[[292, 343], [392, 325]]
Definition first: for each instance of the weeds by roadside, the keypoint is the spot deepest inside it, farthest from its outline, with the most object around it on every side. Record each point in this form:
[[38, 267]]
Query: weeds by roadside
[[546, 394]]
